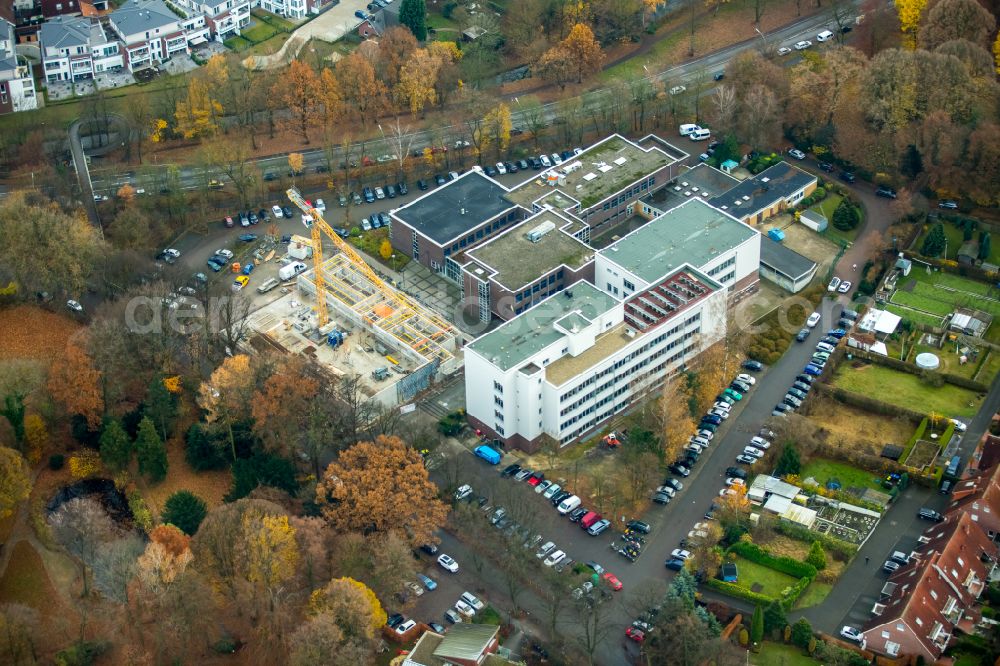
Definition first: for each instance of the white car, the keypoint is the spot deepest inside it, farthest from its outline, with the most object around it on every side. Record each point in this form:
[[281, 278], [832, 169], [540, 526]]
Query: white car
[[544, 159], [543, 486], [171, 252], [725, 492], [667, 490], [677, 90], [463, 492], [74, 306], [546, 548], [746, 379], [501, 168], [852, 634], [760, 443], [276, 211], [721, 413], [555, 558], [405, 627], [803, 45], [813, 320], [844, 287], [680, 554], [697, 534], [753, 451], [228, 254], [959, 426], [722, 405], [784, 50], [552, 490], [415, 589], [472, 600], [834, 283], [320, 205], [797, 154], [465, 609], [448, 563]]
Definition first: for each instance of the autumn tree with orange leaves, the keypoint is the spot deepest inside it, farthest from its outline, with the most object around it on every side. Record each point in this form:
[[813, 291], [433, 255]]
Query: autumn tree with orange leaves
[[300, 92], [281, 405], [381, 486], [75, 383], [358, 82], [585, 51], [225, 397]]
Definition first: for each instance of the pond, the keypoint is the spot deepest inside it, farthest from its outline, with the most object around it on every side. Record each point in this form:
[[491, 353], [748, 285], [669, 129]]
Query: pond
[[104, 491]]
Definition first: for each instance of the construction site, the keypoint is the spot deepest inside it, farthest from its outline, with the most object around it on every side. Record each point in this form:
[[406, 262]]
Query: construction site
[[359, 325]]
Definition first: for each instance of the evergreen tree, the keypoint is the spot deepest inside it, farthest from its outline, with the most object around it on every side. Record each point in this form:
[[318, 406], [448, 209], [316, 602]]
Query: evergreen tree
[[413, 14], [151, 452], [757, 626], [846, 216], [788, 462], [984, 245], [160, 406], [816, 556], [684, 586], [935, 242], [802, 633], [203, 451], [116, 449], [185, 511], [774, 618], [911, 164]]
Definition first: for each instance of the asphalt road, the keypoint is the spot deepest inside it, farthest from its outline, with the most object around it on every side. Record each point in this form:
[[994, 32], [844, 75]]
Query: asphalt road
[[108, 180]]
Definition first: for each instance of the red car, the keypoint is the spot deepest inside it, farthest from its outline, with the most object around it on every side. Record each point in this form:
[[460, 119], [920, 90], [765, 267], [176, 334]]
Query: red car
[[535, 478], [612, 581], [638, 635]]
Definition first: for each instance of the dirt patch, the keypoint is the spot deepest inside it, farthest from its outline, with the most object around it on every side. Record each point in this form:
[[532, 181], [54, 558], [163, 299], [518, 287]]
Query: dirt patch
[[810, 244], [858, 430], [211, 486], [31, 332]]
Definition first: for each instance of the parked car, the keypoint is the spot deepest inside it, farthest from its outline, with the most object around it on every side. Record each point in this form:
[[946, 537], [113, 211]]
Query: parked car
[[784, 50], [813, 320], [948, 204], [847, 176], [802, 335], [802, 45], [638, 526], [886, 192], [797, 154], [826, 166], [448, 563], [834, 283], [753, 366], [745, 459], [680, 470], [852, 634]]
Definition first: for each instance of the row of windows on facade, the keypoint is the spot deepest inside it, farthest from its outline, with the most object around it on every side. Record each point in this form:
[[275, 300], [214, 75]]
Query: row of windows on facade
[[485, 231], [628, 373], [589, 424], [630, 193], [534, 289], [641, 350], [539, 298], [723, 266]]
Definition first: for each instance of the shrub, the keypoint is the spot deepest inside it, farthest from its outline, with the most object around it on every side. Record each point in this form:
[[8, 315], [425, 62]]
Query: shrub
[[786, 565], [819, 194], [846, 216], [757, 625], [774, 618], [842, 550], [140, 511], [787, 636], [56, 461], [203, 451], [185, 511], [816, 556], [744, 637], [262, 469], [811, 648], [81, 653], [802, 633]]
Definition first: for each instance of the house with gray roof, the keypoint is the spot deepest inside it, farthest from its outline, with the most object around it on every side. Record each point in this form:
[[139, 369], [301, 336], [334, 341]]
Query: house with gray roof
[[784, 266], [151, 32], [75, 48], [17, 86], [767, 194], [225, 18]]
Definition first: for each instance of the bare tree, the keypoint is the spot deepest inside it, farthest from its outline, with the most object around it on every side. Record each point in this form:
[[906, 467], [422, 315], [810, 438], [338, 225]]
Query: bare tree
[[593, 627], [81, 525]]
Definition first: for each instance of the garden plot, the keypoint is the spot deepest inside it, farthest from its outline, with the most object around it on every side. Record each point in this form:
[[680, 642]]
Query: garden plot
[[853, 429], [906, 390], [940, 293], [923, 454], [843, 521]]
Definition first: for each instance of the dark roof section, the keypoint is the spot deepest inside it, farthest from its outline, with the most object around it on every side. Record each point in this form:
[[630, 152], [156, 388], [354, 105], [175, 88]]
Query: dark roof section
[[783, 260], [456, 207], [763, 190]]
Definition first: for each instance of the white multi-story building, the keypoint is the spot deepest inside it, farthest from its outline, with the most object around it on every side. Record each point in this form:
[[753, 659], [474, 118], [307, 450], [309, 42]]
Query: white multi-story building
[[225, 18], [291, 8], [563, 367], [17, 87], [151, 32], [75, 48]]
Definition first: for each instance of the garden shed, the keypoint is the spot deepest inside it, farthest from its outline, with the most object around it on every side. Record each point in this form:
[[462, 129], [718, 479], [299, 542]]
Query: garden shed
[[970, 322], [814, 220], [880, 322]]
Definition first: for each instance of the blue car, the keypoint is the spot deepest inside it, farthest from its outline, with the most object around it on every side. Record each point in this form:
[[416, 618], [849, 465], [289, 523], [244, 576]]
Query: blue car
[[712, 418], [675, 563], [361, 15], [813, 370], [427, 581], [837, 333], [487, 453], [248, 269], [214, 265]]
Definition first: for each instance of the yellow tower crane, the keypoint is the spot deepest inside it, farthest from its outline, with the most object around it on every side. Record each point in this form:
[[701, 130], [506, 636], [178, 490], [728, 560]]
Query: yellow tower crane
[[319, 227]]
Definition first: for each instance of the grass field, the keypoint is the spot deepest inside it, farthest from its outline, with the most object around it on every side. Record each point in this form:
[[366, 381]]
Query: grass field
[[853, 429], [955, 240], [914, 316], [940, 293], [25, 580], [814, 594], [259, 32], [752, 574], [823, 470], [906, 390], [777, 654]]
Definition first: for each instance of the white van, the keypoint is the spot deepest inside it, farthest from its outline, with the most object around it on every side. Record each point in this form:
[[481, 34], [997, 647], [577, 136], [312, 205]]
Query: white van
[[700, 134], [571, 503], [288, 271], [824, 36], [686, 130]]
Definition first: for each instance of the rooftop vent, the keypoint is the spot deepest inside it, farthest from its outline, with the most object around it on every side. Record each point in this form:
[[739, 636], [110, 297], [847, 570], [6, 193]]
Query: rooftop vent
[[746, 197], [765, 179], [539, 232]]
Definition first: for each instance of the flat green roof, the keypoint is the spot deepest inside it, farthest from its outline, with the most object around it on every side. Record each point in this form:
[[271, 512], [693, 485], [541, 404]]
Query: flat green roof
[[692, 233], [522, 337], [601, 170], [519, 262]]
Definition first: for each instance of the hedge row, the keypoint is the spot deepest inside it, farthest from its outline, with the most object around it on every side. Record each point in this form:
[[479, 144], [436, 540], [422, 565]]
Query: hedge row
[[735, 590], [786, 565], [793, 595], [841, 550]]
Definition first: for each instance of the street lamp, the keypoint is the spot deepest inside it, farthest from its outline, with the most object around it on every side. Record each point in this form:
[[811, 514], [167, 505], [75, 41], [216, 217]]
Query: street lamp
[[762, 38]]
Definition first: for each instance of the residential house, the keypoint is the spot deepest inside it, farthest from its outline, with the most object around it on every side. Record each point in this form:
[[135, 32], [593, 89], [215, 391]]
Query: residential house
[[463, 645], [296, 9], [936, 593], [224, 18], [151, 32], [17, 85], [767, 194], [77, 48]]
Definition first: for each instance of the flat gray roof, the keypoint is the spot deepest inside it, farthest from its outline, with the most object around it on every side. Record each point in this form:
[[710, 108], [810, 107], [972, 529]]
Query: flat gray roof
[[519, 261], [784, 260], [601, 170], [525, 335], [763, 190], [692, 233], [466, 641], [450, 211]]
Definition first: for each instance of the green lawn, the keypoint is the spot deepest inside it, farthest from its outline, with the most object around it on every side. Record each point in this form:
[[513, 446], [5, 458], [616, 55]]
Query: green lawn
[[814, 594], [778, 654], [273, 19], [488, 615], [828, 205], [259, 32], [823, 470], [773, 582], [955, 240], [915, 316], [941, 293], [906, 390]]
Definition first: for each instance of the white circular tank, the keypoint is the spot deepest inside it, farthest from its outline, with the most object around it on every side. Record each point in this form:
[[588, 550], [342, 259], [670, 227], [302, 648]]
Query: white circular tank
[[928, 361]]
